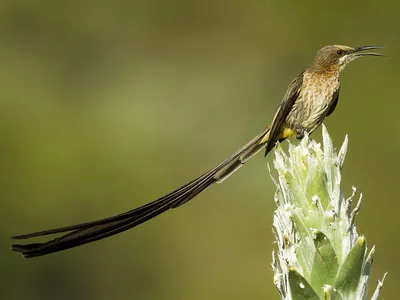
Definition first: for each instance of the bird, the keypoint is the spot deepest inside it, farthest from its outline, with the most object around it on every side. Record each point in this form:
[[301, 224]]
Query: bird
[[311, 97]]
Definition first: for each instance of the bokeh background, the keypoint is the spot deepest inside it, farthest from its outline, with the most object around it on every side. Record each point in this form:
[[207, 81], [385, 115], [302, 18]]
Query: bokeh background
[[106, 105]]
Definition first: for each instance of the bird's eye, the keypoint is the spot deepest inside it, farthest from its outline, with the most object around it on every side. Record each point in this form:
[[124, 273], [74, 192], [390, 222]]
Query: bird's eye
[[339, 52]]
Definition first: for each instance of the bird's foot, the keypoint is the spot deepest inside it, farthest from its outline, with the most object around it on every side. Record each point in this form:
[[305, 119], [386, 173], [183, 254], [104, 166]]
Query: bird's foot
[[300, 132]]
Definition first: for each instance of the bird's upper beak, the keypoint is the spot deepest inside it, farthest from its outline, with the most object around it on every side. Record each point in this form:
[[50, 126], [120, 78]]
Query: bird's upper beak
[[357, 51]]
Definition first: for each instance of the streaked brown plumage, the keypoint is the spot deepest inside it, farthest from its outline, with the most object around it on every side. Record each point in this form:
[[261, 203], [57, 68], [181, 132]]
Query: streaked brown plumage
[[311, 96]]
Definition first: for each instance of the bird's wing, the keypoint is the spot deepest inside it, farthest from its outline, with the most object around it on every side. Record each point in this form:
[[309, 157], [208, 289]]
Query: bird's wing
[[288, 101], [335, 100]]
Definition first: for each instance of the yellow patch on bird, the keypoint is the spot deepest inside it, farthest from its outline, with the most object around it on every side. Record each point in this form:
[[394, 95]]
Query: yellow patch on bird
[[287, 133], [284, 134]]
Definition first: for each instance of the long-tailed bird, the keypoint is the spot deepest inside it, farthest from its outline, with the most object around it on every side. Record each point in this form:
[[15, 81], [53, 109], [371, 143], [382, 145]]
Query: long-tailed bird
[[310, 98]]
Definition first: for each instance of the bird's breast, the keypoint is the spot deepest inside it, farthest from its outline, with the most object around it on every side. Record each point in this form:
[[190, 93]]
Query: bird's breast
[[315, 98]]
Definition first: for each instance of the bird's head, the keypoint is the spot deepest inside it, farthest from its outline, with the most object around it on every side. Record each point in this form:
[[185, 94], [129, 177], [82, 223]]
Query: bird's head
[[336, 57]]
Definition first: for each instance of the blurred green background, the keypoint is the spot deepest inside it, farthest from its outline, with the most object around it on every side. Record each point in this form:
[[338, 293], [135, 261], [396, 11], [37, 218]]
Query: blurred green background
[[107, 105]]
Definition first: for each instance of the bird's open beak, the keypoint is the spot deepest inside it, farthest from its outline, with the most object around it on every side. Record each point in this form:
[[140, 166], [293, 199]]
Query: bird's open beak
[[357, 51]]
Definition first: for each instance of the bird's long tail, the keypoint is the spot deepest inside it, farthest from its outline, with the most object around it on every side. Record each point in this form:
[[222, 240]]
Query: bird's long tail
[[92, 231]]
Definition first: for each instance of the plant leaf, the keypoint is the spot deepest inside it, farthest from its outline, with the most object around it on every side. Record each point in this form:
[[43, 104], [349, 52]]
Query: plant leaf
[[331, 294], [349, 272], [300, 288], [325, 265]]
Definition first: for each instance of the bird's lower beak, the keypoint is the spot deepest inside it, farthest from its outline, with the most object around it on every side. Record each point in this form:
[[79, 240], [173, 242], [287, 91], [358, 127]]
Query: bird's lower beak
[[357, 51]]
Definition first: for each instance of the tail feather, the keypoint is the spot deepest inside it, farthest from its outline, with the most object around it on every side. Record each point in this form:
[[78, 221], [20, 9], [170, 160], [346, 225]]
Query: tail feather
[[84, 233], [244, 157]]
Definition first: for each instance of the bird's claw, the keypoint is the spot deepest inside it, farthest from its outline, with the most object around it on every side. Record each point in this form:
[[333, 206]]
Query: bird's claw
[[300, 132]]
